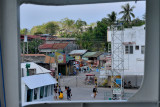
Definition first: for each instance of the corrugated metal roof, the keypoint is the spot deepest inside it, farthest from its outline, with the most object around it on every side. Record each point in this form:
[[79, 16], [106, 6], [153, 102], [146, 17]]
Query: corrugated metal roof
[[61, 39], [78, 52], [68, 58], [39, 69], [53, 46], [33, 55], [92, 54], [46, 46], [40, 80]]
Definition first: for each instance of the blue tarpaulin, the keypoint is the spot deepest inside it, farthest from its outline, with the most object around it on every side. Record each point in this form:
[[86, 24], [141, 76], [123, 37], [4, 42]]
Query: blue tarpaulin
[[118, 81]]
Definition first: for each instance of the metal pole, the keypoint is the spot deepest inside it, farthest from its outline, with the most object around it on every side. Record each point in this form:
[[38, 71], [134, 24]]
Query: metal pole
[[27, 47], [23, 51], [76, 80]]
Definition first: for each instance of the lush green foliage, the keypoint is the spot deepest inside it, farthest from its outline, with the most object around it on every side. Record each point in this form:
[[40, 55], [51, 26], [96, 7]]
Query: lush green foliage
[[24, 31], [47, 28], [127, 13], [32, 46]]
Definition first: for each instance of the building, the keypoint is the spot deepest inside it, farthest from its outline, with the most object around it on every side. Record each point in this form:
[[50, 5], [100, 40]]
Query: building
[[77, 54], [72, 42], [134, 49], [37, 58], [60, 40], [92, 58], [60, 47], [36, 82], [65, 63], [45, 61], [103, 59], [31, 37]]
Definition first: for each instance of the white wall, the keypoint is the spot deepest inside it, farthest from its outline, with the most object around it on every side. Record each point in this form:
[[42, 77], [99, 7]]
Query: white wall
[[133, 62]]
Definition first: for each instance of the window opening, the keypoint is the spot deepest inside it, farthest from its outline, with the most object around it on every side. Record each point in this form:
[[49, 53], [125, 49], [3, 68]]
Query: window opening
[[137, 47], [128, 49], [79, 55], [142, 49]]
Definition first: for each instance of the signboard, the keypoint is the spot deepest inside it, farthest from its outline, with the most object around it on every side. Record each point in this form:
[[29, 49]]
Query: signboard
[[61, 58], [116, 91], [77, 57]]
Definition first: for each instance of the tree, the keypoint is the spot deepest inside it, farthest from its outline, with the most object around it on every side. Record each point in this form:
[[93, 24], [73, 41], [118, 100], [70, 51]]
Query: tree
[[79, 23], [67, 24], [24, 31], [51, 28], [127, 13], [46, 28], [138, 22], [32, 46], [112, 18]]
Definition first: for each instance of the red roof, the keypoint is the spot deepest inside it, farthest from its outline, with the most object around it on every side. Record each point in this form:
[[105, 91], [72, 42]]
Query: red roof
[[33, 37], [90, 74], [53, 46], [33, 55]]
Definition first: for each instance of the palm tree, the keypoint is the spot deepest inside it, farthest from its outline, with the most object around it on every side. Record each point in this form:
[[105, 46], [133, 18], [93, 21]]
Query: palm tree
[[112, 18], [127, 13]]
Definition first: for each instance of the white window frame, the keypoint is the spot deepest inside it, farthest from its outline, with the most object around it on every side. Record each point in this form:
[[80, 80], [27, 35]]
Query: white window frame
[[147, 96]]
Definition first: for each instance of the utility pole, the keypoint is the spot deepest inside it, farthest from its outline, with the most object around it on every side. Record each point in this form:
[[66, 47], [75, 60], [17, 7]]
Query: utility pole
[[25, 40]]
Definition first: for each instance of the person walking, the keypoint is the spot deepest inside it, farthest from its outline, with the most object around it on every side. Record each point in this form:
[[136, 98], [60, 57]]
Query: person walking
[[68, 93], [59, 90], [95, 92]]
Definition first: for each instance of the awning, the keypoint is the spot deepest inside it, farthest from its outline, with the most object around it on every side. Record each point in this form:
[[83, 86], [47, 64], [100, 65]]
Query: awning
[[40, 80]]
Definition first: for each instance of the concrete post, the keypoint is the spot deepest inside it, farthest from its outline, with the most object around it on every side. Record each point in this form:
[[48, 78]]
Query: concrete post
[[150, 86], [9, 36]]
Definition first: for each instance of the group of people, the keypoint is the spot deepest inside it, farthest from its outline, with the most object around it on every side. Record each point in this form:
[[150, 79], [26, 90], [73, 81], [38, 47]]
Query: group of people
[[60, 92], [68, 92]]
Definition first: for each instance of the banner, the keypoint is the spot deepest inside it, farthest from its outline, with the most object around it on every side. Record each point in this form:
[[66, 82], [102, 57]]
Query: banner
[[77, 57], [61, 58]]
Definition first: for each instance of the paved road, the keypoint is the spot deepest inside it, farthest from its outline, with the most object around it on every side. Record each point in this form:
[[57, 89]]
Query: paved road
[[85, 94], [81, 93]]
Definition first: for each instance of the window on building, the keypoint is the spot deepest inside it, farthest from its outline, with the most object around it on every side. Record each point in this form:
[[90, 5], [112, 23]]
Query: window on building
[[128, 49], [29, 95], [35, 93], [137, 47], [46, 91], [142, 49], [51, 89], [32, 72], [41, 92]]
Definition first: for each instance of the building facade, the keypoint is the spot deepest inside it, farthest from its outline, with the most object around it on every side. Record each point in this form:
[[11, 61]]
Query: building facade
[[36, 83], [134, 49]]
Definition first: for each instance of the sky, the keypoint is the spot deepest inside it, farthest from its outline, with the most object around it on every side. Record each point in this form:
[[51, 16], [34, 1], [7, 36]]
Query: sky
[[33, 15]]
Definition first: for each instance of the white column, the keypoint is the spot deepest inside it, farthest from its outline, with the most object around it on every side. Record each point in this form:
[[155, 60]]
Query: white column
[[32, 94], [150, 86], [38, 94], [9, 36]]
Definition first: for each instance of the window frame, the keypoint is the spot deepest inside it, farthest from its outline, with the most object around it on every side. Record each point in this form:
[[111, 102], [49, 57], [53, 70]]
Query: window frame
[[147, 96]]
